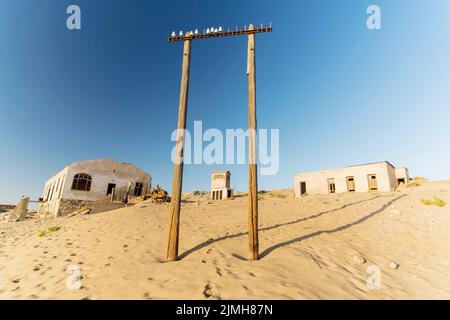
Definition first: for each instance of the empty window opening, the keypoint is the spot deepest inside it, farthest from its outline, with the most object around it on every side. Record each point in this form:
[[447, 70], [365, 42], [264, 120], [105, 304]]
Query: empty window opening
[[351, 184], [373, 186], [220, 195], [401, 181], [138, 189], [82, 182], [331, 186]]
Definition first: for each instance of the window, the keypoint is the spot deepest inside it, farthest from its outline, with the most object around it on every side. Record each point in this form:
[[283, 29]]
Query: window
[[331, 186], [62, 185], [82, 182]]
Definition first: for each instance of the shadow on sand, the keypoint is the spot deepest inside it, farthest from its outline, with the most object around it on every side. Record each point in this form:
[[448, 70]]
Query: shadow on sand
[[330, 231], [269, 250]]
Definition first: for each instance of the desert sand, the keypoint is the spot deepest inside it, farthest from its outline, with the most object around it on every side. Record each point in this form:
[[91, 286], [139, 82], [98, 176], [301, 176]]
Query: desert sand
[[314, 247]]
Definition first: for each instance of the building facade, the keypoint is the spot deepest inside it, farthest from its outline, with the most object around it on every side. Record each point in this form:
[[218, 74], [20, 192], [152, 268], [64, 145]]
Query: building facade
[[220, 185], [371, 177], [80, 184]]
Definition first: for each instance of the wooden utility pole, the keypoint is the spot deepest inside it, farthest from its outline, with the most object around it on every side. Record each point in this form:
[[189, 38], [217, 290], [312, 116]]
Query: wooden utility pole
[[172, 250], [175, 205], [253, 243]]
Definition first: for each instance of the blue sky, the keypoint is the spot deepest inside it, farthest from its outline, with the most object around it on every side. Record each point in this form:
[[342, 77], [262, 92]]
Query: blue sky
[[339, 93]]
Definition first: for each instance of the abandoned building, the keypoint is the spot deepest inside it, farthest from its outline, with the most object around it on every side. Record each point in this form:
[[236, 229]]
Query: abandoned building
[[81, 184], [370, 177], [220, 185]]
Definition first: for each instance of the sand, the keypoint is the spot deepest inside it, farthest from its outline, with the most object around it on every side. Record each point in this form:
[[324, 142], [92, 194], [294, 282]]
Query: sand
[[315, 247]]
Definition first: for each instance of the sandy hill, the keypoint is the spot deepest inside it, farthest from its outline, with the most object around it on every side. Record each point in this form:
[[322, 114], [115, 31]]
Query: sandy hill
[[314, 247]]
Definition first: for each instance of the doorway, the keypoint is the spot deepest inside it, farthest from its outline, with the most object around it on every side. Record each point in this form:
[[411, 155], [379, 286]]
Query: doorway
[[302, 188], [111, 187], [138, 189], [373, 185], [331, 186], [351, 184]]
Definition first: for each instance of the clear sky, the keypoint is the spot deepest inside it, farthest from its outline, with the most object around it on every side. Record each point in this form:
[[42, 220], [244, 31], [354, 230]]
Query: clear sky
[[339, 93]]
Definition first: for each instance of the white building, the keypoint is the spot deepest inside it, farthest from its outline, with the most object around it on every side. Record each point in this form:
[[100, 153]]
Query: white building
[[378, 176], [220, 185], [80, 184]]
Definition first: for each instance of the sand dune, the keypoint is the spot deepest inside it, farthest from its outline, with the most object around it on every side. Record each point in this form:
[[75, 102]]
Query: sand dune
[[316, 247]]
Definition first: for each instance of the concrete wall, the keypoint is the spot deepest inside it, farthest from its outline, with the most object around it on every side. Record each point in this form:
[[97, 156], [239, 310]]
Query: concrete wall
[[220, 180], [317, 182], [103, 172], [215, 194], [402, 173]]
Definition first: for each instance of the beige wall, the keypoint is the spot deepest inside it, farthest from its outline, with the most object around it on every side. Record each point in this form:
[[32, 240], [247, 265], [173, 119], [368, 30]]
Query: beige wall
[[220, 180], [402, 173], [317, 182]]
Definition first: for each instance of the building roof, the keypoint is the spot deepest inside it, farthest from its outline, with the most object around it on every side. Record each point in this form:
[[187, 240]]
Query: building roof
[[351, 166], [103, 160], [7, 206], [366, 164], [223, 171]]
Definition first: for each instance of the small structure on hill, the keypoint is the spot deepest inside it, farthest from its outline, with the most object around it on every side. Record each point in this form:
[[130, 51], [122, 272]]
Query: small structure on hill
[[370, 177], [220, 185], [82, 184]]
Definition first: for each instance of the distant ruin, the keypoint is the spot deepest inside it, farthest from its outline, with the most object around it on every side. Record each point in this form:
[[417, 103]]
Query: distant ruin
[[220, 185], [82, 184]]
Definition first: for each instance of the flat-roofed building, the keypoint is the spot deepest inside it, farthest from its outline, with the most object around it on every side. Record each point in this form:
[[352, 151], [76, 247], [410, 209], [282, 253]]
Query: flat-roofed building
[[370, 177], [220, 185]]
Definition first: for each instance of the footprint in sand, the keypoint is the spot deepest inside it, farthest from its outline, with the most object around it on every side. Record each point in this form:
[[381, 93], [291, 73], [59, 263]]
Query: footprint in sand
[[147, 296], [207, 292]]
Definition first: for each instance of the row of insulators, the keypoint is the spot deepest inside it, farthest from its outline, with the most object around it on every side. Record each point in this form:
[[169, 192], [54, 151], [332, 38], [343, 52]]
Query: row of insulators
[[207, 31], [190, 33]]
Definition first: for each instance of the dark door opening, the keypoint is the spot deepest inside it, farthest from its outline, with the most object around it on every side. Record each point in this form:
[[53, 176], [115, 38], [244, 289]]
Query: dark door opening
[[400, 181], [138, 189], [229, 194], [302, 188], [111, 187]]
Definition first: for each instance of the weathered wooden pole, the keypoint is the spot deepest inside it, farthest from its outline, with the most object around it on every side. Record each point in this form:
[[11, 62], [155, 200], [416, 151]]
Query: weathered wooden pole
[[253, 242], [175, 205]]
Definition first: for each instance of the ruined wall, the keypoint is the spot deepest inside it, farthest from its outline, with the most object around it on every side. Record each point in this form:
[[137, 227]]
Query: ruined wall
[[60, 199], [104, 172], [67, 206]]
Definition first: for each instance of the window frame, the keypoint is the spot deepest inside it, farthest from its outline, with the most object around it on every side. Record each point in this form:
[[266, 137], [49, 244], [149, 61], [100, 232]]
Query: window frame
[[79, 178]]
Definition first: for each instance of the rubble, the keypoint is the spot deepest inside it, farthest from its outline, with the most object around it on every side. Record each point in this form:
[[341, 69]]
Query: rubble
[[157, 195]]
